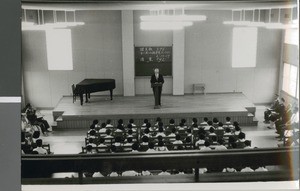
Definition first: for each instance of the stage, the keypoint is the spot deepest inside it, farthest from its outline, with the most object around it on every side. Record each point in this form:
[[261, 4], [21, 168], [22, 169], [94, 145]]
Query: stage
[[235, 105]]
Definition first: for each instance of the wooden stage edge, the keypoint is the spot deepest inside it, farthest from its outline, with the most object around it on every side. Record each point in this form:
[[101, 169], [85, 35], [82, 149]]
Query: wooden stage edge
[[235, 105]]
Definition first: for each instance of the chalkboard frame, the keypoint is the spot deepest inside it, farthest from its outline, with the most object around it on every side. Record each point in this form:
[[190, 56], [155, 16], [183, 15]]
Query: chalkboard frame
[[166, 70]]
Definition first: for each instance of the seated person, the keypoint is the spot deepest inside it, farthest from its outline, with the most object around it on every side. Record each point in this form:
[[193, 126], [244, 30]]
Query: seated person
[[237, 130], [247, 145], [269, 110], [291, 126], [284, 119], [91, 142], [146, 121], [247, 169], [94, 124], [215, 122], [118, 141], [148, 126], [212, 131], [25, 147], [158, 119], [208, 126], [130, 128], [131, 122], [129, 134], [213, 139], [113, 149], [151, 148], [146, 172], [205, 120], [173, 132], [128, 142], [181, 127], [220, 145], [135, 147], [227, 132], [229, 169], [228, 121], [101, 146], [206, 146], [277, 114], [39, 147], [260, 168], [108, 134], [164, 173], [220, 126], [188, 142], [177, 140], [160, 132], [161, 146], [130, 173], [108, 123], [189, 133], [183, 121], [241, 137], [194, 121], [195, 126], [120, 128], [145, 140], [90, 149], [36, 120], [201, 140], [171, 124], [102, 129], [92, 134], [147, 132]]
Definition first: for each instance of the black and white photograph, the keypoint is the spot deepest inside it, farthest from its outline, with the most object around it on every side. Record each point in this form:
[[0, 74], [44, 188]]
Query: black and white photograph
[[162, 93]]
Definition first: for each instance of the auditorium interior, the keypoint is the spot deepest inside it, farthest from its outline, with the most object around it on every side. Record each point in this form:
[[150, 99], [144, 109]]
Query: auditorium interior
[[229, 101]]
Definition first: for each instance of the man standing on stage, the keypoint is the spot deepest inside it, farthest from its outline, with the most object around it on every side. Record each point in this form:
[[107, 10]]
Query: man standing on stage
[[157, 78]]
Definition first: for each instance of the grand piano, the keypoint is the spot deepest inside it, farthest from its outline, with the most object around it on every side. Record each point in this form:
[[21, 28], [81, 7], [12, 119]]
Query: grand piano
[[88, 86]]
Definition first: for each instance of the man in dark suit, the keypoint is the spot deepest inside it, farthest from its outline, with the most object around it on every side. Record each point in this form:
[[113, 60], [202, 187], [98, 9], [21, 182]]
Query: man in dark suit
[[157, 78]]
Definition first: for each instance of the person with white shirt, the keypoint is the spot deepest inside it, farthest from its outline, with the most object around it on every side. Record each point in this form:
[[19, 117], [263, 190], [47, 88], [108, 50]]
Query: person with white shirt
[[220, 145], [161, 146], [130, 173], [205, 120], [206, 146], [261, 169], [151, 148], [177, 140], [292, 125], [146, 121], [208, 126], [201, 141], [91, 142], [247, 145], [39, 148], [102, 129], [247, 169], [108, 123], [220, 126], [164, 173], [147, 132], [131, 121], [160, 132]]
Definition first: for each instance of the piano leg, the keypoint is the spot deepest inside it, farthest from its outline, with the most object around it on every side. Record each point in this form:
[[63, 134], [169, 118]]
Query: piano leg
[[111, 94], [86, 98], [81, 99]]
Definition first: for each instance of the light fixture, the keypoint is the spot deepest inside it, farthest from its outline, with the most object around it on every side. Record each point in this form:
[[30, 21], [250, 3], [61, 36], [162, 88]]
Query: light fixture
[[164, 25], [257, 23], [171, 18]]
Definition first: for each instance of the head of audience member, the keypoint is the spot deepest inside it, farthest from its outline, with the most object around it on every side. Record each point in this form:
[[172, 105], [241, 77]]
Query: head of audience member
[[92, 132], [36, 134], [129, 132], [151, 145], [159, 138], [148, 125], [220, 124], [195, 120], [237, 128], [103, 125], [160, 143], [177, 137], [118, 139], [89, 148], [146, 131], [108, 132], [120, 122], [214, 138], [247, 143], [39, 143], [146, 121], [158, 119], [131, 121], [241, 135], [160, 124], [145, 139], [201, 131], [183, 121], [188, 140], [173, 130], [91, 140], [201, 136], [156, 71], [129, 140], [211, 130], [206, 143], [205, 119], [95, 122], [215, 120], [220, 141], [113, 148], [227, 130], [161, 129], [108, 121], [228, 119], [101, 140], [172, 121], [135, 146], [235, 123], [129, 126], [210, 123]]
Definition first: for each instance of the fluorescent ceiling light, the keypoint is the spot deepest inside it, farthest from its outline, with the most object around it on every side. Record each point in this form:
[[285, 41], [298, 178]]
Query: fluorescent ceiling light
[[64, 24], [171, 18], [164, 25], [256, 24], [240, 23]]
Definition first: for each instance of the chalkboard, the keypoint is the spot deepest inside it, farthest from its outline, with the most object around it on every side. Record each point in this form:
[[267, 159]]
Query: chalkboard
[[149, 57]]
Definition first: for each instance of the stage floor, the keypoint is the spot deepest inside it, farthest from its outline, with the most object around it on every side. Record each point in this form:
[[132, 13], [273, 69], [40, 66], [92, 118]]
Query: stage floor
[[143, 106]]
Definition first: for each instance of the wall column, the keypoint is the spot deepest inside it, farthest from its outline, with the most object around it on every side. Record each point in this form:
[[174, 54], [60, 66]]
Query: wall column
[[178, 62], [128, 53]]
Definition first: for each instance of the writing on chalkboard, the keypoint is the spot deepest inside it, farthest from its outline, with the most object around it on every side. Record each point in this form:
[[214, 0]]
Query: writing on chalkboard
[[153, 54], [149, 57]]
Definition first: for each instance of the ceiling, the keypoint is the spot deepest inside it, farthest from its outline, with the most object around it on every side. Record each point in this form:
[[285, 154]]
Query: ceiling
[[148, 5]]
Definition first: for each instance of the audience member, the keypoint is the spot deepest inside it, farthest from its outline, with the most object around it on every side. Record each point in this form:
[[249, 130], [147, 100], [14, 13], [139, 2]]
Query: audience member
[[39, 148]]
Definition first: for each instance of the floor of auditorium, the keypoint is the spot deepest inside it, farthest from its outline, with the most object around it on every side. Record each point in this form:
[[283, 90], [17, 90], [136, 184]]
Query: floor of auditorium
[[70, 141]]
